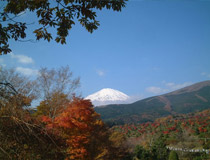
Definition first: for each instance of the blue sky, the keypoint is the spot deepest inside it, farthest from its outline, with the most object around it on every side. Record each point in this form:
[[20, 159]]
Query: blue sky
[[150, 48]]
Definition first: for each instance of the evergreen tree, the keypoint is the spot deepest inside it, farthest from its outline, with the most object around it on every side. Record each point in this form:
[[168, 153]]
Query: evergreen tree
[[159, 150], [141, 153], [173, 156]]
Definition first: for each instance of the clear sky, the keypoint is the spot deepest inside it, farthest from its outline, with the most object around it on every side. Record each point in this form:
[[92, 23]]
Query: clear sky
[[151, 47]]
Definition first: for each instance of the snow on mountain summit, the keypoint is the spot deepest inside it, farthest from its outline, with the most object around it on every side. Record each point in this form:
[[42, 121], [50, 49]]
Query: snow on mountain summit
[[107, 96]]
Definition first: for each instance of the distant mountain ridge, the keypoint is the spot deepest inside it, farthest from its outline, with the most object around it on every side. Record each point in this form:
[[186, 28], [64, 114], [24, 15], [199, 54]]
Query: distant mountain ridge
[[190, 88], [188, 99]]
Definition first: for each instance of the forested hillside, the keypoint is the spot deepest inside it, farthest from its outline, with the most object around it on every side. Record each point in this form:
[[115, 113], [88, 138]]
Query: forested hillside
[[187, 134], [189, 99]]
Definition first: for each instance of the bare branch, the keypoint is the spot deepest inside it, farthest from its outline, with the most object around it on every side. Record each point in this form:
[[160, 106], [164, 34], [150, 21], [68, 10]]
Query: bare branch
[[5, 152]]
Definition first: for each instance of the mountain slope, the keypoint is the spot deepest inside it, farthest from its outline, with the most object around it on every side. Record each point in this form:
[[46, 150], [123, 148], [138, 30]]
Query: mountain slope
[[185, 100], [107, 96]]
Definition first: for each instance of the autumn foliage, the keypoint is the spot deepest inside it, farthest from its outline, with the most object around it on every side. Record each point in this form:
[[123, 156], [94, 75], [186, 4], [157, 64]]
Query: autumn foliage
[[77, 123], [76, 133], [23, 136], [61, 127]]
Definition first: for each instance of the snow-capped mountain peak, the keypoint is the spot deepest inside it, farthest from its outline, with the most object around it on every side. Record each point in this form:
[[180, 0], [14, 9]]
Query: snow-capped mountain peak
[[107, 96]]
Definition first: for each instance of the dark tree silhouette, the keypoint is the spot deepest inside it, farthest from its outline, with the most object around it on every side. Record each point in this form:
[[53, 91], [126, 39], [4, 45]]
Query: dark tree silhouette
[[59, 14]]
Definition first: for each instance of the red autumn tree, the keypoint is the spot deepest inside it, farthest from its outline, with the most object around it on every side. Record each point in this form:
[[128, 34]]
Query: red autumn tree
[[79, 125]]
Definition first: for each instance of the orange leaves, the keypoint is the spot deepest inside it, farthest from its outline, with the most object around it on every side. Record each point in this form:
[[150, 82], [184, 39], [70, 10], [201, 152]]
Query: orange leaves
[[76, 147], [76, 123], [46, 119]]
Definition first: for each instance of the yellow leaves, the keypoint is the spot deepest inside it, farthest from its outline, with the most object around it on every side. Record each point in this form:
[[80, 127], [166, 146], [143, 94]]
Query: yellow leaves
[[53, 106], [102, 154], [25, 146], [99, 122], [117, 138]]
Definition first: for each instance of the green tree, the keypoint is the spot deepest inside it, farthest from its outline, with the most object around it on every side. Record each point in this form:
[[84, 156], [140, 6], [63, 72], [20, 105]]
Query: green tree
[[159, 150], [59, 14], [173, 156], [141, 153]]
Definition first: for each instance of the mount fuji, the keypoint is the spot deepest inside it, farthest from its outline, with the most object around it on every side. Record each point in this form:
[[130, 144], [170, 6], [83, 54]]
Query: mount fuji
[[108, 96]]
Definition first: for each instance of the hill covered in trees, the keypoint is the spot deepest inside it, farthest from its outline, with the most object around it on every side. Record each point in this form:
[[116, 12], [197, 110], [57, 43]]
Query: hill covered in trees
[[189, 99], [186, 134]]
